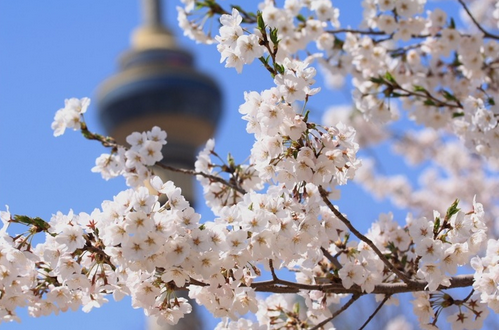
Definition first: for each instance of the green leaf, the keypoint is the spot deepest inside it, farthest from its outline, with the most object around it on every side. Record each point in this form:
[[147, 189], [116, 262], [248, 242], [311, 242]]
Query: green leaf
[[296, 308], [429, 102], [457, 114], [301, 18], [395, 95], [273, 36], [379, 80], [260, 22], [39, 223], [491, 101], [306, 115], [389, 78], [452, 24], [404, 260], [453, 209], [264, 60], [280, 68], [22, 219], [456, 62], [448, 96], [338, 43], [230, 160], [388, 92], [436, 226], [391, 246], [418, 88], [238, 8], [200, 5]]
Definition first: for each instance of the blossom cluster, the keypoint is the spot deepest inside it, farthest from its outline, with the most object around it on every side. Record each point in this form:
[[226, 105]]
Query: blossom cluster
[[445, 79], [132, 163], [136, 246], [85, 257], [486, 281], [273, 215], [235, 47], [444, 243], [71, 116], [286, 149]]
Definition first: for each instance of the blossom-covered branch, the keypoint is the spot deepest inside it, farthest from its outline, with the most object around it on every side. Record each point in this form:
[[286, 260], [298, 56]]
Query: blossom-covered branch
[[274, 216]]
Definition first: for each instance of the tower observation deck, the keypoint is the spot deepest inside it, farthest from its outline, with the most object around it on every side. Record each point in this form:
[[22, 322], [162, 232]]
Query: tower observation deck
[[158, 85]]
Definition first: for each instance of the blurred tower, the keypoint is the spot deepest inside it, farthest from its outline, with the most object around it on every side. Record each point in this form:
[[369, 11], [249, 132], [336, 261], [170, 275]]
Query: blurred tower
[[157, 85]]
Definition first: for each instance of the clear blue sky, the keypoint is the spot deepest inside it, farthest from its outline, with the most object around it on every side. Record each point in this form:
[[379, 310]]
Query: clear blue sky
[[52, 50]]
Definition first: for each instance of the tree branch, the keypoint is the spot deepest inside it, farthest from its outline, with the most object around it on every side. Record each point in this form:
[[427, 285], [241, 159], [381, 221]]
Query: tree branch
[[281, 286], [343, 308], [331, 258], [324, 195], [368, 32], [208, 176], [375, 311], [485, 32]]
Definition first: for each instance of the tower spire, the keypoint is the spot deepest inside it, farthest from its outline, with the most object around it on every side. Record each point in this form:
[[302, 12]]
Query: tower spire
[[151, 13], [152, 33]]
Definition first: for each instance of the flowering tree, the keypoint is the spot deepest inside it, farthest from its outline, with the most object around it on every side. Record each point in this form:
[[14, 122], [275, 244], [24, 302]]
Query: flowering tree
[[275, 213]]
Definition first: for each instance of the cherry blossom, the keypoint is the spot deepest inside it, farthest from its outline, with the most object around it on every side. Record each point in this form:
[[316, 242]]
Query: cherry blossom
[[274, 227]]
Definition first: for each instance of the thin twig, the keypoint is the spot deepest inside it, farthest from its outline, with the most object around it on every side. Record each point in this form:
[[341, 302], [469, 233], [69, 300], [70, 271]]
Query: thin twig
[[272, 270], [426, 94], [375, 312], [331, 258], [208, 176], [343, 308], [363, 238], [465, 299], [109, 142], [485, 32], [372, 32]]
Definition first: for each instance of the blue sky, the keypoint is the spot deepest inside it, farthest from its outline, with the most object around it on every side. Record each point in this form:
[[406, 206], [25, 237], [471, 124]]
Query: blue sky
[[52, 50]]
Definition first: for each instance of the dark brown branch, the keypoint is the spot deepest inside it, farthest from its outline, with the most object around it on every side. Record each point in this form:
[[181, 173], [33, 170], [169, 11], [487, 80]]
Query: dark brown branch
[[343, 308], [208, 176], [460, 302], [272, 271], [368, 32], [486, 34], [281, 286], [428, 95], [388, 264], [375, 312], [109, 142], [331, 258]]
